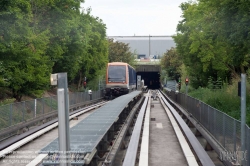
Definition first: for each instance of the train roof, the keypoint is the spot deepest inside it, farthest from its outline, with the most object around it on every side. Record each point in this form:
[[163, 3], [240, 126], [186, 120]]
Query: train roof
[[119, 63]]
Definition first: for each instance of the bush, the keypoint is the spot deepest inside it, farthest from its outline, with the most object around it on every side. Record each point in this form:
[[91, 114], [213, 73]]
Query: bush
[[7, 101], [225, 99]]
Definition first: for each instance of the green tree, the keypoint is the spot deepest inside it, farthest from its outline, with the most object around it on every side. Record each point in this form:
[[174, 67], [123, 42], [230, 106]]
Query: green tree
[[171, 63], [120, 52], [61, 19], [39, 37], [95, 56], [77, 40], [22, 52], [212, 39]]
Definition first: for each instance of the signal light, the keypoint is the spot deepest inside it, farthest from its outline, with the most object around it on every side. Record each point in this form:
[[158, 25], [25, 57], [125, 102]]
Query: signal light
[[186, 81], [179, 86], [85, 84]]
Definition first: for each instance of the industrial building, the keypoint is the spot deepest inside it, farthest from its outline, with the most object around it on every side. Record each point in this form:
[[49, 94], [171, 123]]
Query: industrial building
[[147, 46]]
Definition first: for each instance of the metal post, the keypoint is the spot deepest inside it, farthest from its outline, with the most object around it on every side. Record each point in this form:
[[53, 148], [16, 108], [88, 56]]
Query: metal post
[[234, 135], [186, 101], [243, 112], [247, 153], [99, 84], [186, 89], [35, 108], [11, 107], [149, 47], [51, 104], [62, 125], [63, 84], [215, 131], [24, 109], [43, 104], [200, 111], [208, 119], [81, 97], [224, 128]]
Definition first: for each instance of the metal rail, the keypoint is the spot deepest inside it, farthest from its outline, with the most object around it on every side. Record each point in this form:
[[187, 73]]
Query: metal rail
[[14, 143], [130, 157], [92, 136], [49, 115], [198, 149], [144, 151], [190, 157], [121, 135]]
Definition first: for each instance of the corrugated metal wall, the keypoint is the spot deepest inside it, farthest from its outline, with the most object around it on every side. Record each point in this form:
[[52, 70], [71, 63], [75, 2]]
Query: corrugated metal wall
[[158, 45]]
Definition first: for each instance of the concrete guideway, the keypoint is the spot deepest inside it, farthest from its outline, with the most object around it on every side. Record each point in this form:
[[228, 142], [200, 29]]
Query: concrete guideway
[[163, 142], [190, 158], [202, 156]]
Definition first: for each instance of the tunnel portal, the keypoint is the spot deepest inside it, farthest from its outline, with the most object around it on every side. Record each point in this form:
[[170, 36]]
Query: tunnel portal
[[151, 79], [150, 73]]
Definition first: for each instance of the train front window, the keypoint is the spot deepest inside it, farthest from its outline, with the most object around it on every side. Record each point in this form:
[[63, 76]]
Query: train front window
[[116, 73]]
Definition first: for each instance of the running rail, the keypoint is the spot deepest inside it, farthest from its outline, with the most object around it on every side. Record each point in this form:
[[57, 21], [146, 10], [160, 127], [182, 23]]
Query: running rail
[[143, 160], [130, 157], [31, 122], [198, 149], [19, 141]]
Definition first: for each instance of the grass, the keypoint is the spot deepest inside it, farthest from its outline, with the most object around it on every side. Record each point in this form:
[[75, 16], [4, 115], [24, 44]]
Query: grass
[[225, 99], [18, 113], [51, 103], [7, 101]]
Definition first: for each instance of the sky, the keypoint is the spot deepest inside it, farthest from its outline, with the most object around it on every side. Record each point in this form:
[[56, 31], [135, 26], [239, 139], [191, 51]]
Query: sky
[[137, 17]]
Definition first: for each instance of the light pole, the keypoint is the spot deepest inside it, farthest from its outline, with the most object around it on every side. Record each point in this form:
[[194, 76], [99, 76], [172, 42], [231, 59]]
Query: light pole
[[243, 117], [149, 46], [60, 79], [99, 83]]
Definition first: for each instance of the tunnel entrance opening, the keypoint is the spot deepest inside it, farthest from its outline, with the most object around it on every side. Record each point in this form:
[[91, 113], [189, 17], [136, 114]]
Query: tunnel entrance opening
[[151, 79]]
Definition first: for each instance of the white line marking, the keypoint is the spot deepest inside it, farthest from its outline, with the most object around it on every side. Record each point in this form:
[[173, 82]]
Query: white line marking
[[37, 160]]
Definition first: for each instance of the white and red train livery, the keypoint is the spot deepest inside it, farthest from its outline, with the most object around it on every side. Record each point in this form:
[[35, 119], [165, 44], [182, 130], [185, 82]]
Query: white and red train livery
[[120, 79]]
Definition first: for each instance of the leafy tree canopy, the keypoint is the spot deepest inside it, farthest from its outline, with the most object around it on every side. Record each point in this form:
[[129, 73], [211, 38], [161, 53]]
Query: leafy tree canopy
[[120, 52], [171, 63], [213, 39], [39, 37]]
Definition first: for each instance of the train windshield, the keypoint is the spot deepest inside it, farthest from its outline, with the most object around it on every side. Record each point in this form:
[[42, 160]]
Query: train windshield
[[116, 73]]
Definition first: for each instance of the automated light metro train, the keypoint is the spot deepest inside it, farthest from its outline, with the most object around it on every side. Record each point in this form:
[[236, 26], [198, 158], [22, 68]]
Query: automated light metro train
[[120, 79]]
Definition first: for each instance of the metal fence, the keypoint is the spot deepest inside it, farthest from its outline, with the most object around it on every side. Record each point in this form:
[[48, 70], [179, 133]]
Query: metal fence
[[225, 129], [16, 113], [171, 85]]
